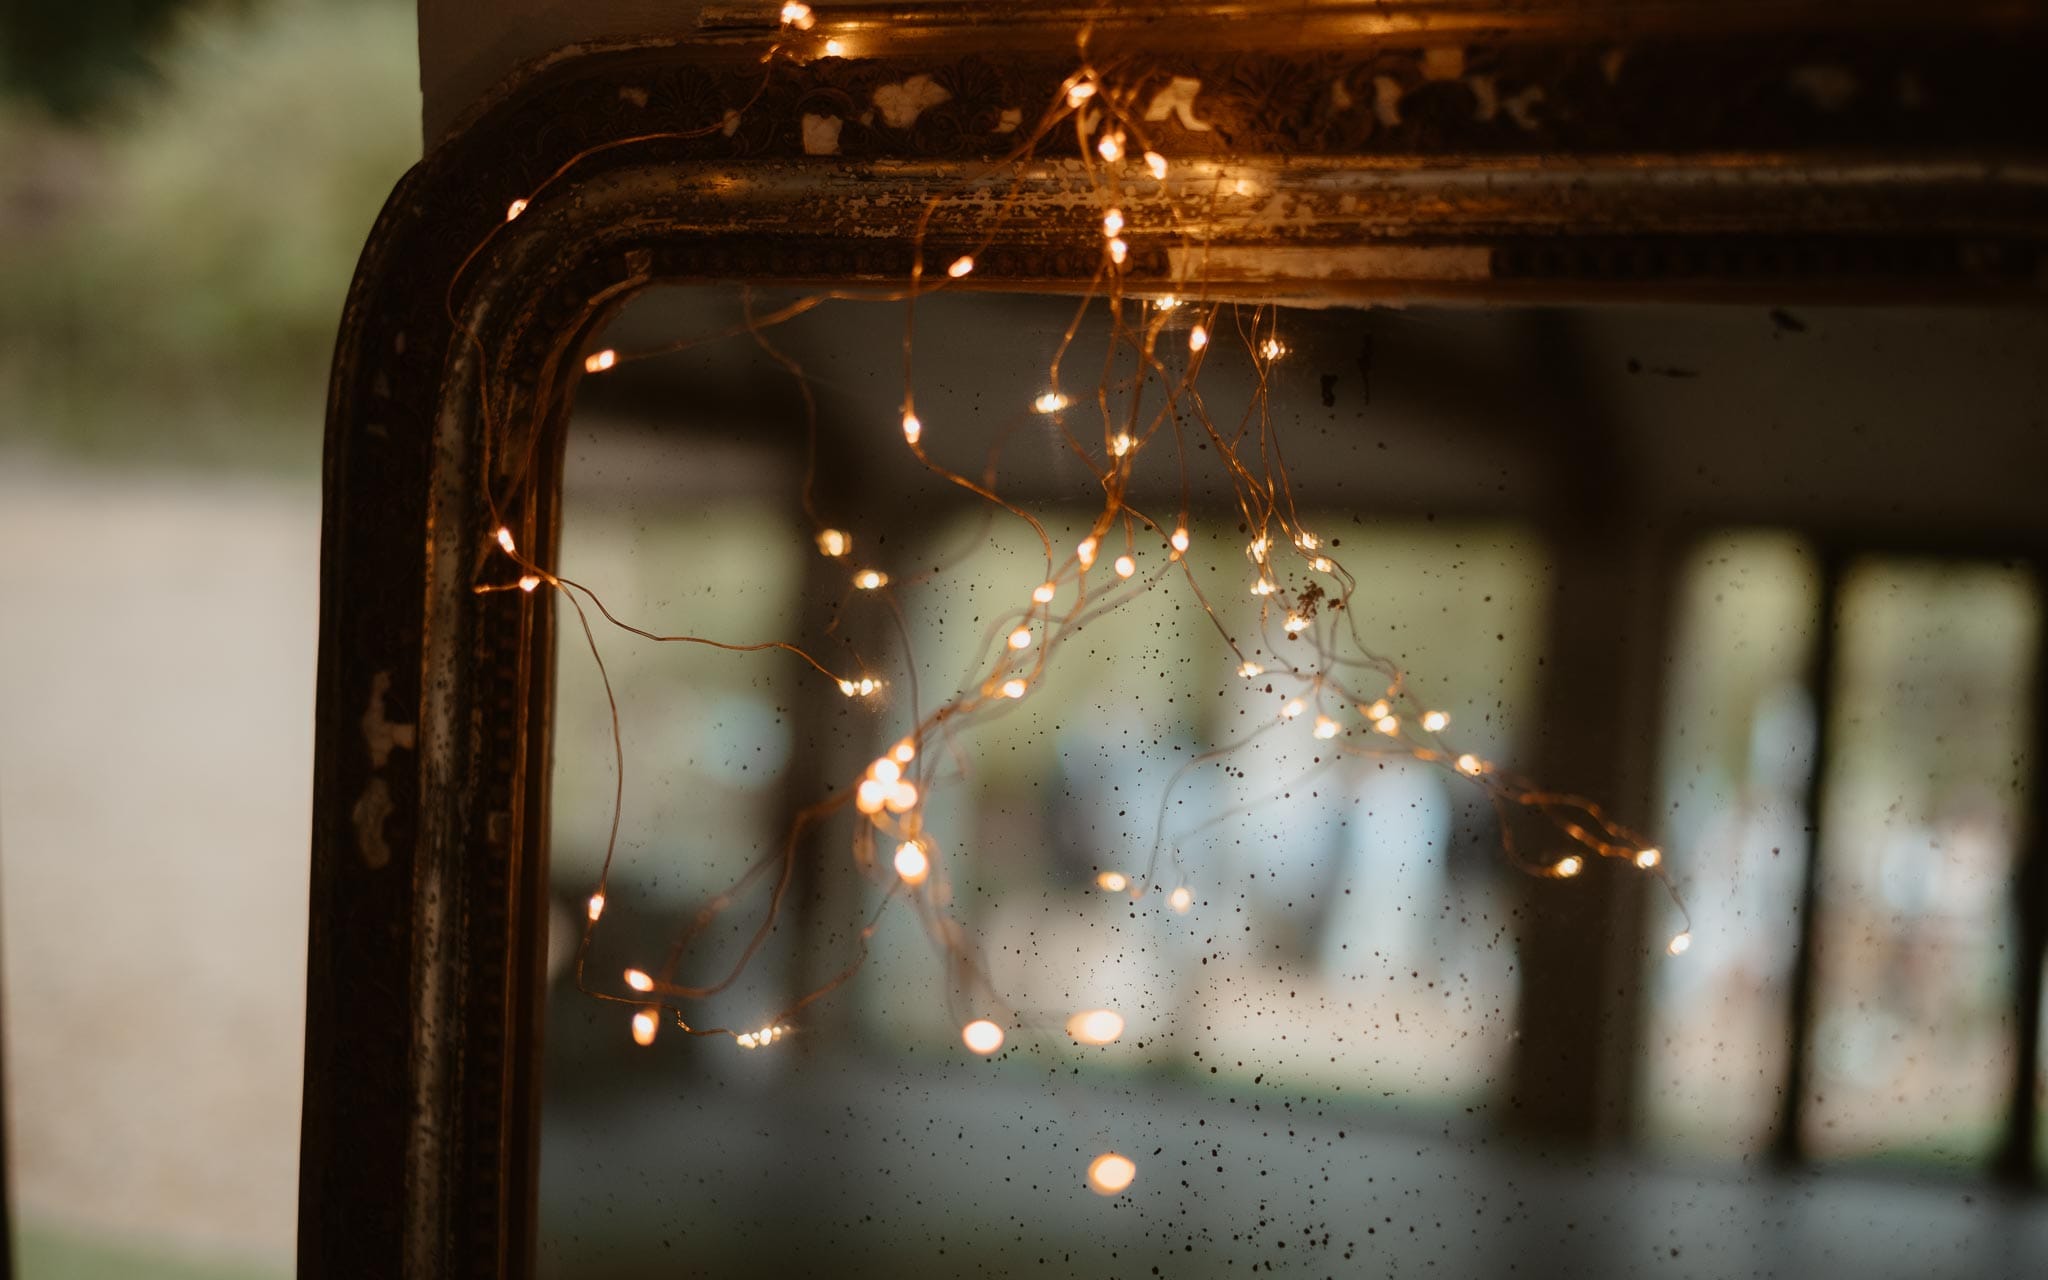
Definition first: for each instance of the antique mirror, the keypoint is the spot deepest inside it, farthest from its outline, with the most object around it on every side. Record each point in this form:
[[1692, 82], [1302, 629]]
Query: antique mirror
[[1101, 639]]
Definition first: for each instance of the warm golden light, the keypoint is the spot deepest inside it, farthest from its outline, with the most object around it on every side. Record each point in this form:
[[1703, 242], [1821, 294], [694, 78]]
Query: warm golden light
[[600, 361], [1321, 564], [1096, 1026], [1085, 552], [1181, 899], [870, 579], [1264, 587], [1179, 539], [1111, 147], [961, 266], [902, 798], [1166, 303], [1326, 727], [1155, 164], [1113, 881], [1118, 251], [1648, 858], [1389, 725], [860, 688], [1125, 566], [798, 15], [1295, 624], [1080, 93], [1113, 223], [1568, 866], [1272, 349], [834, 48], [1109, 1173], [1050, 402], [1198, 337], [911, 862], [1020, 638], [514, 209], [913, 430], [834, 542], [645, 1024], [872, 796], [1044, 592], [1013, 688], [1679, 945], [982, 1036], [1120, 444], [529, 581], [1470, 765], [505, 539], [1250, 669], [1258, 547], [885, 770], [904, 752], [638, 980], [1377, 709], [1293, 708], [595, 907], [1436, 721]]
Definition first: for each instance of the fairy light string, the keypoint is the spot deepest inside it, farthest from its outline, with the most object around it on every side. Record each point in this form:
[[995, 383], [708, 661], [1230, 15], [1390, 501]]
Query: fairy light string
[[1326, 682]]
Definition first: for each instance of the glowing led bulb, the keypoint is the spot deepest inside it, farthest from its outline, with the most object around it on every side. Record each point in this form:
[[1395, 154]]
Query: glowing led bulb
[[1085, 551], [598, 362], [1264, 587], [982, 1036], [1679, 945], [1258, 547], [1050, 402], [871, 796], [834, 48], [1096, 1026], [870, 579], [1113, 223], [1013, 688], [798, 15], [902, 797], [1295, 624], [860, 688], [1043, 592], [595, 907], [1321, 564], [1389, 725], [1120, 444], [1167, 303], [514, 209], [1111, 147], [961, 266], [1180, 900], [1179, 539], [1155, 164], [527, 582], [1251, 669], [1112, 882], [1377, 709], [1435, 721], [1118, 251], [1272, 348], [1198, 337], [913, 430], [834, 542], [1326, 727], [1125, 566], [1293, 708], [1470, 765], [1020, 638], [885, 770], [1080, 93], [1648, 858], [1109, 1173], [1568, 866], [904, 752], [504, 536], [645, 1024], [638, 980], [911, 862]]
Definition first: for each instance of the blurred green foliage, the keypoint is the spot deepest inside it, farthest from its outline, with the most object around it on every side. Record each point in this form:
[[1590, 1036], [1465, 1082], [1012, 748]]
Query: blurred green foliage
[[172, 269]]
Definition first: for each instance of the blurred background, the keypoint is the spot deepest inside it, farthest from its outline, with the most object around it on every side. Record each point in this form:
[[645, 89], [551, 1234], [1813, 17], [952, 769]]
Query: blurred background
[[1768, 579]]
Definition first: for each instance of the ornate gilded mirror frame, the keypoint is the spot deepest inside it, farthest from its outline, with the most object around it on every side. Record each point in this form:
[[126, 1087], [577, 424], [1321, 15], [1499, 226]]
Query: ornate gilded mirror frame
[[1354, 151]]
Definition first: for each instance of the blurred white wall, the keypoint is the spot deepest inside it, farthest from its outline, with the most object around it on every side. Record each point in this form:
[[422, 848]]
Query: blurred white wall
[[157, 644]]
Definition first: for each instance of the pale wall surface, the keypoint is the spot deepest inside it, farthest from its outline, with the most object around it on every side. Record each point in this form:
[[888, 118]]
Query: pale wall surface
[[157, 644]]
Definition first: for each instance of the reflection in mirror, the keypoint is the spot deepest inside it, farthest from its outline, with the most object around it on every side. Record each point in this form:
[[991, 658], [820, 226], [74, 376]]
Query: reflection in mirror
[[1284, 980]]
